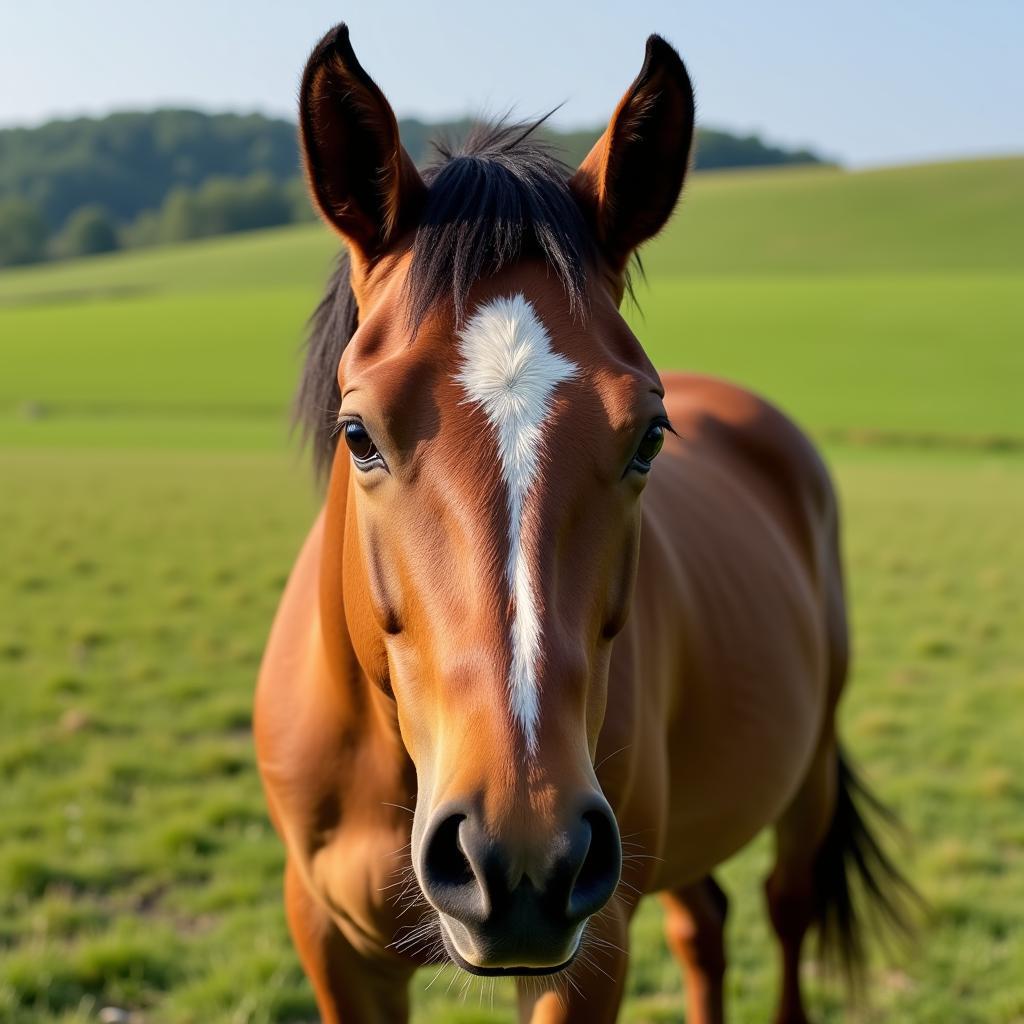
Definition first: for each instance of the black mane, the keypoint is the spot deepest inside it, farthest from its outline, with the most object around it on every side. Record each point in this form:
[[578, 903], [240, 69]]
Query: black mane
[[501, 197]]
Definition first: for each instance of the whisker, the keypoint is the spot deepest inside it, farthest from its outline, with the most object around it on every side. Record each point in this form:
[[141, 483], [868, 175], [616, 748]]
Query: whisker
[[593, 963], [608, 757], [606, 945], [638, 832], [393, 885], [401, 807], [576, 988], [437, 974]]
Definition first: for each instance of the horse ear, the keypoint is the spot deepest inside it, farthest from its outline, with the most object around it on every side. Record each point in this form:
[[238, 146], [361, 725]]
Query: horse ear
[[630, 181], [361, 179]]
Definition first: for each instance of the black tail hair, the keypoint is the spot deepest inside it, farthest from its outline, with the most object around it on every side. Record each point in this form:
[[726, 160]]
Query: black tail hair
[[857, 886]]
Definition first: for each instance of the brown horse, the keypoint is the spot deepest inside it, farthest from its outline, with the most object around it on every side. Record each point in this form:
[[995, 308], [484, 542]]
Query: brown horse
[[552, 599]]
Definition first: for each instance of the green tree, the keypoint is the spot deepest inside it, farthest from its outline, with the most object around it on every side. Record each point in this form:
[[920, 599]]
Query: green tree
[[180, 217], [220, 206], [298, 200], [144, 230], [22, 232], [229, 204], [130, 162], [89, 230]]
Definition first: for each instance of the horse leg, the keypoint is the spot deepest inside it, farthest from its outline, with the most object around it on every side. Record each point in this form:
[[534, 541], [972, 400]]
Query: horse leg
[[350, 988], [695, 930], [591, 990], [790, 888]]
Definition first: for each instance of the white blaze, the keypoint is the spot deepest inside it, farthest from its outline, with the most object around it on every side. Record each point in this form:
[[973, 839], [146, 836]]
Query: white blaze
[[510, 370]]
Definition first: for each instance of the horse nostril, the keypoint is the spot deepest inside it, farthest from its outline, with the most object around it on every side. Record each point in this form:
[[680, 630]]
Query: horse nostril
[[447, 875], [445, 862], [598, 875]]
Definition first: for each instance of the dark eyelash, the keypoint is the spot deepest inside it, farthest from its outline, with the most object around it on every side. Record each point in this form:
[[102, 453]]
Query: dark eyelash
[[664, 421], [342, 422]]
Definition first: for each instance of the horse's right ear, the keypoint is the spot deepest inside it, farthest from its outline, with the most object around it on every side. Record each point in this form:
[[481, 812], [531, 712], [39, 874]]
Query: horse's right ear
[[361, 179], [629, 183]]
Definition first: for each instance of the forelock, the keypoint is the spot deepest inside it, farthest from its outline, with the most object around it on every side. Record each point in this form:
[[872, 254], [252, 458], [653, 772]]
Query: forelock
[[502, 197]]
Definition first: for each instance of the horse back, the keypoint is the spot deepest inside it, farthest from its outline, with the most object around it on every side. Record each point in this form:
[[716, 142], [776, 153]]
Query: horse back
[[723, 422]]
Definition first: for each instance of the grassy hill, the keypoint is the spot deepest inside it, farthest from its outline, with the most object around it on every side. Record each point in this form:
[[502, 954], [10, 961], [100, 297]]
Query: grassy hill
[[967, 215], [878, 302]]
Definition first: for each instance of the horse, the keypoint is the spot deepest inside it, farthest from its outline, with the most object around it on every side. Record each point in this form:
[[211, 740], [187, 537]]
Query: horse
[[566, 632]]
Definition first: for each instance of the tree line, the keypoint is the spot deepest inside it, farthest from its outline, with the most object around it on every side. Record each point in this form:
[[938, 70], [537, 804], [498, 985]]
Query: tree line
[[89, 185]]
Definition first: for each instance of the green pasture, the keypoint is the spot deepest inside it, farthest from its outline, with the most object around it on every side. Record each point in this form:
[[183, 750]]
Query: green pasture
[[925, 354], [150, 508], [138, 868]]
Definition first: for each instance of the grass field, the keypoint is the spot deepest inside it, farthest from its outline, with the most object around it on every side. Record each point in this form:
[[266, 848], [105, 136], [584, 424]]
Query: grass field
[[151, 509]]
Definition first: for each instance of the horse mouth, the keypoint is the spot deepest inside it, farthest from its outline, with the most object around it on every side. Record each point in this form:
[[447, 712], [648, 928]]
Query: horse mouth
[[503, 972]]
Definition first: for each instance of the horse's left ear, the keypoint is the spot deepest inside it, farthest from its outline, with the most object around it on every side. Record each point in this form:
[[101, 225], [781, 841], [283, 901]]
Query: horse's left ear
[[360, 177], [630, 181]]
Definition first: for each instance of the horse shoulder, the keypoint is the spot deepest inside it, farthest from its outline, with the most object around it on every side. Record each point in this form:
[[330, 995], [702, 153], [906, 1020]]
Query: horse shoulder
[[779, 459], [335, 786]]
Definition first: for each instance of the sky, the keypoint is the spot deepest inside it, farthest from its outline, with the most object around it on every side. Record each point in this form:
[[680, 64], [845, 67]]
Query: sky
[[874, 82]]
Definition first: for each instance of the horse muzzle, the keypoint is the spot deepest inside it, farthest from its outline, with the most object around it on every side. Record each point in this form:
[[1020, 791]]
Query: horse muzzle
[[515, 905]]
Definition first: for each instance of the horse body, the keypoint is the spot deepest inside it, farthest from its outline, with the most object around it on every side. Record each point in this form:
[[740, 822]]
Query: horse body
[[493, 659], [721, 670]]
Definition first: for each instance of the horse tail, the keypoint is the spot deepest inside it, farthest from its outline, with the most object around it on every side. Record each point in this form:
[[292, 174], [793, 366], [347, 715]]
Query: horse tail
[[857, 886]]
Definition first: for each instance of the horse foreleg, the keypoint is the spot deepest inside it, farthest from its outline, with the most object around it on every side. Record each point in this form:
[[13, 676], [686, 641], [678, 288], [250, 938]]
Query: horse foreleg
[[695, 930], [350, 988], [590, 991]]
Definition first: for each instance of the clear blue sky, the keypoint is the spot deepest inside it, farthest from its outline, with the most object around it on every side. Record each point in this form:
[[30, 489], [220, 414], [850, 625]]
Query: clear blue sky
[[879, 81]]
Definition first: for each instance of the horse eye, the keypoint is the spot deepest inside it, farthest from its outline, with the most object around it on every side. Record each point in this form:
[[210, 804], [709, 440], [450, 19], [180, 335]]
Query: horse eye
[[649, 448], [359, 443]]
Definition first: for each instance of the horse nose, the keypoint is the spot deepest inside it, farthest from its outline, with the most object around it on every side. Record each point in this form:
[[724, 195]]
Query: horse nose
[[597, 874], [485, 880]]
